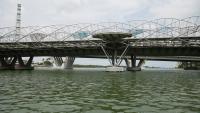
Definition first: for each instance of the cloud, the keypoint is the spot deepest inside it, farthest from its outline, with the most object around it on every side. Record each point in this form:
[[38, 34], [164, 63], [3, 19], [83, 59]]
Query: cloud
[[176, 8], [45, 12], [7, 13], [73, 11]]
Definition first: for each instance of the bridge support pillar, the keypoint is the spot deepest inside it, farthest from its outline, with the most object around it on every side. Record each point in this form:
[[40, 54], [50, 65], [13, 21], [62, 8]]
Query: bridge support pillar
[[58, 61], [191, 65], [7, 63], [127, 62], [115, 64], [24, 65], [141, 62], [68, 63], [133, 64]]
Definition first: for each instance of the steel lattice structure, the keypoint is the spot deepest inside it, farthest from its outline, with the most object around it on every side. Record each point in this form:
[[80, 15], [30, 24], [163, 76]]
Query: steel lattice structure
[[173, 30]]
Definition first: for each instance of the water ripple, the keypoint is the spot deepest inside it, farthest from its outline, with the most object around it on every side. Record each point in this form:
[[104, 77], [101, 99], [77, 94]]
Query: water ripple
[[95, 91]]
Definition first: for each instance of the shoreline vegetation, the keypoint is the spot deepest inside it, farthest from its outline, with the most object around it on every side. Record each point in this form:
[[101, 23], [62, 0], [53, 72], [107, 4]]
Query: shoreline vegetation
[[98, 66], [48, 63]]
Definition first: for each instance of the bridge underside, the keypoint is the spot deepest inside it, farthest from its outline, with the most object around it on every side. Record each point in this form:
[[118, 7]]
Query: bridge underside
[[16, 62], [81, 52], [98, 53]]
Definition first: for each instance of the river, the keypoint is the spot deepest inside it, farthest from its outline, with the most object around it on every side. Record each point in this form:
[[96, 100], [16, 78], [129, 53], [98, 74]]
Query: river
[[96, 91]]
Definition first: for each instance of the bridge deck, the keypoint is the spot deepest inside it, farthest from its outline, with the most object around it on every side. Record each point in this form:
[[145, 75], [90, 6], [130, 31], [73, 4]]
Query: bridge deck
[[144, 42], [182, 46]]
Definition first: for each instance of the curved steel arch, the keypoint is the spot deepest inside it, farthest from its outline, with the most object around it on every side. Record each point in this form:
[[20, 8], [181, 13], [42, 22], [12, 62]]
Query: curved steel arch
[[91, 32], [52, 33], [157, 31], [158, 28]]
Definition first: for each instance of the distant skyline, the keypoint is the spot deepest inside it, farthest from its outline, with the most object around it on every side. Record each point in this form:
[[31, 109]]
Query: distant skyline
[[51, 12]]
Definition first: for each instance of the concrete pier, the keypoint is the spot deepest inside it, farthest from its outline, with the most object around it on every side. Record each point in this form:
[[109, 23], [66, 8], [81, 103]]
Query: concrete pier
[[7, 63], [24, 65], [191, 65], [58, 61], [114, 41], [15, 63], [115, 69], [133, 66], [68, 63]]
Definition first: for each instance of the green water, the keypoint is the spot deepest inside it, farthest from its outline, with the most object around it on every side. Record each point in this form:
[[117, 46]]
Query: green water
[[96, 91]]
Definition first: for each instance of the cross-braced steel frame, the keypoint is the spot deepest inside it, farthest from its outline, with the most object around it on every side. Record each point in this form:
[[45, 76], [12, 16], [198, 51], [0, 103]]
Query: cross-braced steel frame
[[175, 31]]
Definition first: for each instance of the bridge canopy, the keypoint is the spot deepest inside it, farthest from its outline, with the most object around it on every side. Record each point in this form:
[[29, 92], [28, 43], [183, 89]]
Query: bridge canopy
[[112, 36], [167, 30]]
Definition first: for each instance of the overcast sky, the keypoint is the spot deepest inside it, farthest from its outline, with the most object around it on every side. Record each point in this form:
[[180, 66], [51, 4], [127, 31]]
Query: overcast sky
[[46, 12]]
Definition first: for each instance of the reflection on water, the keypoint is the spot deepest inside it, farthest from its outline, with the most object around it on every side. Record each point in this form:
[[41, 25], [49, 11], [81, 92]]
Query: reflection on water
[[96, 91]]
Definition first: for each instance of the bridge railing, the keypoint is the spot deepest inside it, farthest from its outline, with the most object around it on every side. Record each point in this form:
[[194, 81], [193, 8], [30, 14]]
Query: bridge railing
[[192, 42]]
